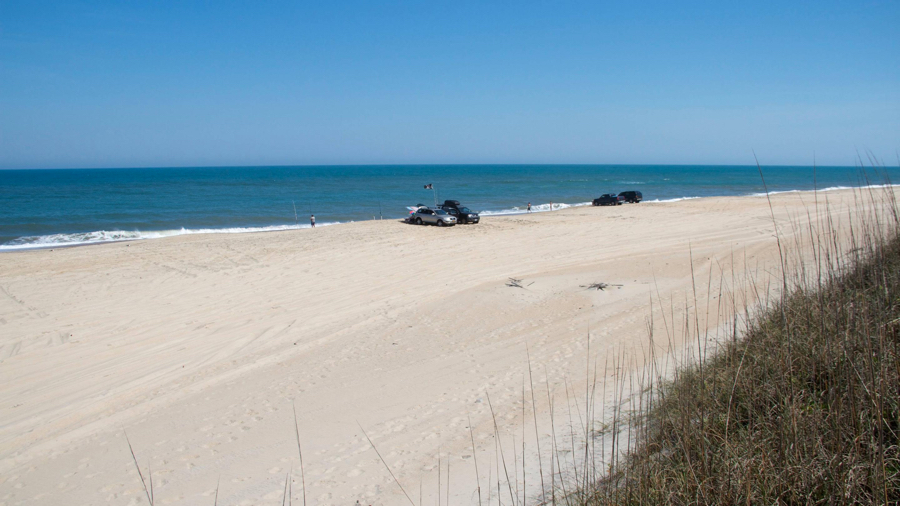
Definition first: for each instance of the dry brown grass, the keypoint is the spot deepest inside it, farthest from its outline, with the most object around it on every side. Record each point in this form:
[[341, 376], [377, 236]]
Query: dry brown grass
[[803, 407]]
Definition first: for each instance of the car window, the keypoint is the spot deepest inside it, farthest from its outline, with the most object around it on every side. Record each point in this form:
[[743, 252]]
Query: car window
[[452, 211], [440, 211], [427, 211], [465, 210]]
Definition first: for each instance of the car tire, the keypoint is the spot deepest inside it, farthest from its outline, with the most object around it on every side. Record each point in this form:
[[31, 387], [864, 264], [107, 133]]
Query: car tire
[[418, 221], [441, 223]]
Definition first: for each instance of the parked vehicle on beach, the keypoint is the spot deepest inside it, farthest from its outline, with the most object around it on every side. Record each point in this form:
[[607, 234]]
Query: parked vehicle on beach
[[609, 199], [427, 216], [462, 213], [632, 197]]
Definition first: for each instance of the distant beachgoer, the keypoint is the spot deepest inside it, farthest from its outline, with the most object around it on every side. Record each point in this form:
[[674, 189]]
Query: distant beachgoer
[[551, 206], [529, 207], [312, 220]]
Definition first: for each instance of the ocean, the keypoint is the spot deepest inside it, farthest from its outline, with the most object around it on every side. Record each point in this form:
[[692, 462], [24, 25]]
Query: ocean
[[61, 207]]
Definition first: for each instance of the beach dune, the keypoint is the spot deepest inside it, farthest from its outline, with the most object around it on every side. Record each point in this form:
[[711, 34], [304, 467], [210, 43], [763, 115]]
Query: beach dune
[[200, 347]]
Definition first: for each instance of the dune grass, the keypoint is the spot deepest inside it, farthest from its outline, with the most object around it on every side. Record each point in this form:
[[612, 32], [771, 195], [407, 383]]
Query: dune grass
[[803, 407]]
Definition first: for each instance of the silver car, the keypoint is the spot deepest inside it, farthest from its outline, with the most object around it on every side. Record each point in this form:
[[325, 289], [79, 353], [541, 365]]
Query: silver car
[[439, 217]]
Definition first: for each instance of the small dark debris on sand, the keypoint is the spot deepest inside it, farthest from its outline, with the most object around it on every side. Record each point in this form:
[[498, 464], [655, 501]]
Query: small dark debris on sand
[[598, 286], [517, 283]]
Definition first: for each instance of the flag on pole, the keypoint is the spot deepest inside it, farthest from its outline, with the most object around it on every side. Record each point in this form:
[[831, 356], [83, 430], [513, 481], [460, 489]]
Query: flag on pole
[[428, 187]]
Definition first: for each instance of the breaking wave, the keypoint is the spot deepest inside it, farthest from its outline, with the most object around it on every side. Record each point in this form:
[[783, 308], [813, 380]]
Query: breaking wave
[[107, 236], [676, 199], [537, 208], [829, 189]]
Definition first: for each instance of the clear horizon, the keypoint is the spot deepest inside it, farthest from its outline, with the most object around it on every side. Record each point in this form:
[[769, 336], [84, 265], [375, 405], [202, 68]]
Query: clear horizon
[[103, 85], [864, 165]]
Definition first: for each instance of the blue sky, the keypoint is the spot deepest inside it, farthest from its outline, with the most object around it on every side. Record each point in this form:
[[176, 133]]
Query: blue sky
[[136, 84]]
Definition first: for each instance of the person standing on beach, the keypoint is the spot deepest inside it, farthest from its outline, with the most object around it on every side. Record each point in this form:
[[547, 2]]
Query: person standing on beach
[[312, 220], [529, 207]]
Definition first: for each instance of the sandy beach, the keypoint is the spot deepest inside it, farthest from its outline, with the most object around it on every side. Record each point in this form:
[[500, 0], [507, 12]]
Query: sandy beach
[[197, 346]]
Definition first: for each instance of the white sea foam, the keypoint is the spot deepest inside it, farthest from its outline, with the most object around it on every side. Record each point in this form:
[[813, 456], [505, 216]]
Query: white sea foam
[[106, 236], [657, 201], [537, 208], [828, 189], [775, 192]]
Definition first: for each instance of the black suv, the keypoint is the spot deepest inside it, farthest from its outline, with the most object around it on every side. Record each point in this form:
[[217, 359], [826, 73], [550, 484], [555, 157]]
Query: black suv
[[608, 199], [463, 214], [632, 196]]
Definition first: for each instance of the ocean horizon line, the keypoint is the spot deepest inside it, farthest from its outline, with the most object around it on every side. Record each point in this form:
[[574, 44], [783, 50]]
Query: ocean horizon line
[[378, 165]]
